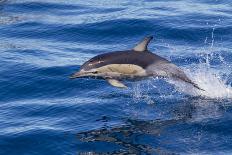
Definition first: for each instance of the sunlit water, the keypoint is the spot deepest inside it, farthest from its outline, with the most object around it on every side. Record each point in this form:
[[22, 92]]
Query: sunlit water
[[42, 111]]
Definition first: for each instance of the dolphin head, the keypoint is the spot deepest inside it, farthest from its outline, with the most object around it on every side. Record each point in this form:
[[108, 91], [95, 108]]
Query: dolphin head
[[84, 73], [89, 69]]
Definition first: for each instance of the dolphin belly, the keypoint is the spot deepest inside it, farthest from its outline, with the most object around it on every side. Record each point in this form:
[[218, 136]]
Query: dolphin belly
[[122, 71]]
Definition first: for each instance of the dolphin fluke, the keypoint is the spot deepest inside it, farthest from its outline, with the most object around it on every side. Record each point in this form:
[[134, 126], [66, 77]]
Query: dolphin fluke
[[182, 76], [194, 84]]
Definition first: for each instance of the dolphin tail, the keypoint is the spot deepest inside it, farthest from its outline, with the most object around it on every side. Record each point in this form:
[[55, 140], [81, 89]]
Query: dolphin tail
[[177, 73], [192, 83], [182, 76]]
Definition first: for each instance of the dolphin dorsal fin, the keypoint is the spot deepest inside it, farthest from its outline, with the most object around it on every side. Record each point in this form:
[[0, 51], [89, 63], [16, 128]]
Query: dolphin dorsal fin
[[142, 46]]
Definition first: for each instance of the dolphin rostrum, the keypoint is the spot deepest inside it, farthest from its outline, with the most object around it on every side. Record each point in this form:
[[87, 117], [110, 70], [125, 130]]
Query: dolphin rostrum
[[136, 63]]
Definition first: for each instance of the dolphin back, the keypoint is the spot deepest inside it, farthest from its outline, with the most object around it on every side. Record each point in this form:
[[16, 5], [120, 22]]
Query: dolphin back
[[142, 59]]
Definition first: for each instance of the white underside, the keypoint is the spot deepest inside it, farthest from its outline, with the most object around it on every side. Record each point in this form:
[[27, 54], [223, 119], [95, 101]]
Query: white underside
[[121, 71]]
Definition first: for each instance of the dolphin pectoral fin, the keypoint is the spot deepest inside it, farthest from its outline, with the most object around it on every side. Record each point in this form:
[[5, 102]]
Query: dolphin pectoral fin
[[142, 46], [116, 83]]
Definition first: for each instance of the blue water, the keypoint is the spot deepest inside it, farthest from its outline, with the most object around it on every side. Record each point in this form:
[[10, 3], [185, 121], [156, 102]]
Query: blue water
[[43, 112]]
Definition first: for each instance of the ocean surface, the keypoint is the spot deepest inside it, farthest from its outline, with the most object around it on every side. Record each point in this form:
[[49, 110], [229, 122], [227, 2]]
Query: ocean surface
[[42, 111]]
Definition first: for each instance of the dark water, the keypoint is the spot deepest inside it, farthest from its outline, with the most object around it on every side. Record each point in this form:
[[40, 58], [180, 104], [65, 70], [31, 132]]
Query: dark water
[[43, 112]]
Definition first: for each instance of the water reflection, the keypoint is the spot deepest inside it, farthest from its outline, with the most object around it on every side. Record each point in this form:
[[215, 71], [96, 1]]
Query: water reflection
[[157, 136], [6, 17], [137, 136], [132, 137]]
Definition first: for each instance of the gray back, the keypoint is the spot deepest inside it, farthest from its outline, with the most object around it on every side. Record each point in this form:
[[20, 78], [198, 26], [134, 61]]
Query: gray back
[[142, 59]]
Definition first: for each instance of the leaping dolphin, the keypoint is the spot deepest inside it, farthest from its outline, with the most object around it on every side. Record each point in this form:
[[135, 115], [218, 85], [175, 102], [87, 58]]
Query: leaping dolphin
[[137, 63]]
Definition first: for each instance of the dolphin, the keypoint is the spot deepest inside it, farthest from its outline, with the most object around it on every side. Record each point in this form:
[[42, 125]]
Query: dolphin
[[137, 63]]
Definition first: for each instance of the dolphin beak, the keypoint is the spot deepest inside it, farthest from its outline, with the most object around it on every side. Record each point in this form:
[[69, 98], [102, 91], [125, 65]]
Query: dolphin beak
[[77, 75]]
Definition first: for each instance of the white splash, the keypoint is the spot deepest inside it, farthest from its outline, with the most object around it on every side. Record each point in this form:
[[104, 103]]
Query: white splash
[[209, 80], [139, 94], [213, 85]]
